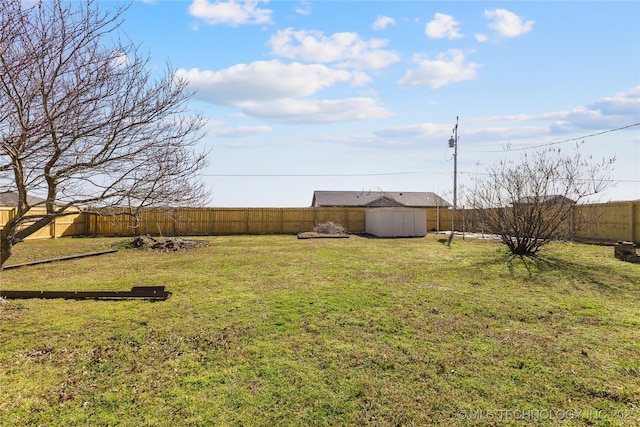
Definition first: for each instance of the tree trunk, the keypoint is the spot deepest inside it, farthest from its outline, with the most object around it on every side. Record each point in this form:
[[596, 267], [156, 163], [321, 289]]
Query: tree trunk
[[5, 246]]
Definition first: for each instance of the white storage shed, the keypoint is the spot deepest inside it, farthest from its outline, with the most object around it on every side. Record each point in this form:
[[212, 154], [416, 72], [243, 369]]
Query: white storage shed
[[396, 222]]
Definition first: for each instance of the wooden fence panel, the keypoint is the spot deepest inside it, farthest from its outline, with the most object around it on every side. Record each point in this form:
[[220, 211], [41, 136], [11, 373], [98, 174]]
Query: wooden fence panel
[[154, 222], [228, 221], [43, 233], [108, 225], [352, 219], [635, 220], [607, 222], [69, 225], [298, 220], [264, 221], [6, 213], [194, 221], [439, 219]]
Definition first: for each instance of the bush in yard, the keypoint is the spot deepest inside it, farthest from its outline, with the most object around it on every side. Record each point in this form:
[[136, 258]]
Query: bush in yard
[[530, 203]]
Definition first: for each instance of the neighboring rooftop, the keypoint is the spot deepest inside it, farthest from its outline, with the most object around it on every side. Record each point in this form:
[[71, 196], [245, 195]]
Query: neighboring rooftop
[[10, 198], [413, 199], [553, 199]]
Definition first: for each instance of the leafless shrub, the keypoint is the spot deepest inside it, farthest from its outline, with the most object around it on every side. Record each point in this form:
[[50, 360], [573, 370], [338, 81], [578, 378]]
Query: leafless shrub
[[531, 202]]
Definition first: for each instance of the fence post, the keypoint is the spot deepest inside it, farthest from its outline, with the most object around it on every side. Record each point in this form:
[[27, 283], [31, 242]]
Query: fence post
[[282, 220], [426, 218], [210, 219], [632, 221], [174, 219], [346, 218], [86, 223]]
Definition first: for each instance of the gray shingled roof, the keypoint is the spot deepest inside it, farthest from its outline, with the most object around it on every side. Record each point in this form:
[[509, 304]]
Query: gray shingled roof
[[546, 200], [377, 199], [10, 198]]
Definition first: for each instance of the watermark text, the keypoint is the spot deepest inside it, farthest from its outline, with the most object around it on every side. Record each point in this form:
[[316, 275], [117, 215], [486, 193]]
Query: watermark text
[[549, 414]]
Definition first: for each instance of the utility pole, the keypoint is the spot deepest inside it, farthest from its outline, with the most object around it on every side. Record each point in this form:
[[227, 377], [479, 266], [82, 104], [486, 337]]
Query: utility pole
[[453, 143]]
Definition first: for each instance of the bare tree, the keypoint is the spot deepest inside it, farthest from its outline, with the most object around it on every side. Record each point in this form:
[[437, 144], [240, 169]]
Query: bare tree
[[86, 120], [530, 203]]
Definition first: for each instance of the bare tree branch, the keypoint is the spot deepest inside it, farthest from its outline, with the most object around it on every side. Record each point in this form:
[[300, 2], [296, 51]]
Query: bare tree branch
[[86, 119], [530, 203]]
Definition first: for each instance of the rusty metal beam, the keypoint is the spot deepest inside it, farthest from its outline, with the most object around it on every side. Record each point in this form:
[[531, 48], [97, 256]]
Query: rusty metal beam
[[141, 292], [64, 258]]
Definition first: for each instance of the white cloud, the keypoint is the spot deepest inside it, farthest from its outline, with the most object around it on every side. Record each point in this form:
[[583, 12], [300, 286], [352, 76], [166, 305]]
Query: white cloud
[[507, 24], [506, 133], [360, 79], [272, 90], [230, 12], [442, 27], [623, 103], [482, 38], [382, 22], [449, 67], [318, 111], [620, 110], [119, 59], [343, 49], [238, 131], [262, 81], [421, 130], [304, 8]]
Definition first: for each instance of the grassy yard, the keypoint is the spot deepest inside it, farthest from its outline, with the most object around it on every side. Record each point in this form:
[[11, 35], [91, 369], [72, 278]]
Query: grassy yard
[[275, 331]]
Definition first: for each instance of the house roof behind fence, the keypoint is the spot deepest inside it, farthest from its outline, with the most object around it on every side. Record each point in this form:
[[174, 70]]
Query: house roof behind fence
[[553, 199], [416, 199], [10, 198]]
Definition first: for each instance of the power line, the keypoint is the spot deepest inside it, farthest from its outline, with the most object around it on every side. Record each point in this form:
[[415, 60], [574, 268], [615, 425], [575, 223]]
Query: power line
[[359, 174], [557, 142], [338, 175]]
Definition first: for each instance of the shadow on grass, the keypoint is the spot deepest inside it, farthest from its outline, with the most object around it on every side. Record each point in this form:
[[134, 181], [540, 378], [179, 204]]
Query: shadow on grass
[[548, 263], [595, 274], [374, 237]]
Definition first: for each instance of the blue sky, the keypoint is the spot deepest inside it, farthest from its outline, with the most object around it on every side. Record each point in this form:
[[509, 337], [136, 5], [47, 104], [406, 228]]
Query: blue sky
[[363, 95]]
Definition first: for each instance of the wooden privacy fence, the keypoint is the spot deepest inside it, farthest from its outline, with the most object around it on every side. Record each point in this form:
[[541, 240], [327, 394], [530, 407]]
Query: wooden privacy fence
[[603, 222], [611, 221], [211, 221], [68, 225]]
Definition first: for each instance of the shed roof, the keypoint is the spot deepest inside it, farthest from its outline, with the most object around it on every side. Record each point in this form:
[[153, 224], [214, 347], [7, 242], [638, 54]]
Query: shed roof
[[417, 199]]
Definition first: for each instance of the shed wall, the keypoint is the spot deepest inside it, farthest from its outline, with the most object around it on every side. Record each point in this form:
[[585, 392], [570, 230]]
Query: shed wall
[[396, 222]]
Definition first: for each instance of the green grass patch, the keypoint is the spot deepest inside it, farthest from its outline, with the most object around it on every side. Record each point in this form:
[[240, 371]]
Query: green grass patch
[[272, 330]]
